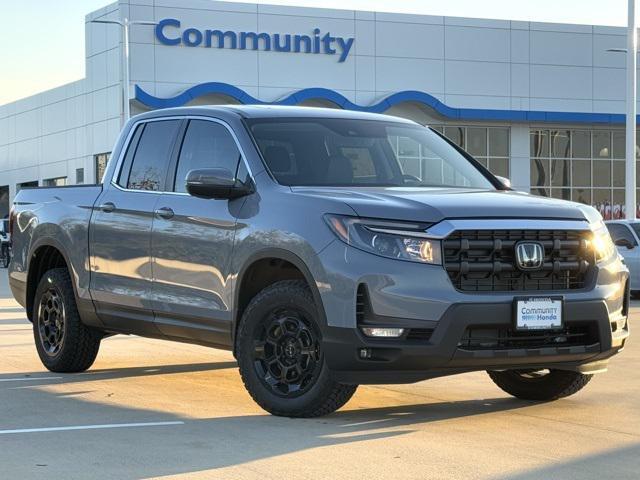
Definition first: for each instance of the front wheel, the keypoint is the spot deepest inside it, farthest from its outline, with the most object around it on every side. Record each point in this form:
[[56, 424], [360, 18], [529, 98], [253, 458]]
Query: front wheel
[[539, 385], [279, 351], [63, 342]]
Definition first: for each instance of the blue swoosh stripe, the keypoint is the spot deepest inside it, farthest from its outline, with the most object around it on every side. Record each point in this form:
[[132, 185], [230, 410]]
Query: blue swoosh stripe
[[394, 99]]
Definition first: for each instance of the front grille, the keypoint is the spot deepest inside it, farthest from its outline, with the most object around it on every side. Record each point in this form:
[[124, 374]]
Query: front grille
[[484, 260], [503, 338]]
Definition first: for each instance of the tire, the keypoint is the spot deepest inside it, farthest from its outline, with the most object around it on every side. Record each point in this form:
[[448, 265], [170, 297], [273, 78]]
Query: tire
[[63, 342], [541, 385], [279, 352]]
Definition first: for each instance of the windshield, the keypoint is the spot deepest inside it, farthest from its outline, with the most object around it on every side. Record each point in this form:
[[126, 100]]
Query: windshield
[[339, 152]]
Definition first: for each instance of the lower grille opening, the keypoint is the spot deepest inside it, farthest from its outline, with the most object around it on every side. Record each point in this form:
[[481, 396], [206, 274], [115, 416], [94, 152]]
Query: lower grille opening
[[362, 300], [505, 338], [420, 334]]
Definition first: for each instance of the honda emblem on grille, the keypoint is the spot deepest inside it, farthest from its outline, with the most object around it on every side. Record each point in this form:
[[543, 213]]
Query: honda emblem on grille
[[529, 255]]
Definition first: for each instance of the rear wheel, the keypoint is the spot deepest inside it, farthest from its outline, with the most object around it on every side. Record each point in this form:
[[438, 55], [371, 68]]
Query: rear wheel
[[63, 342], [539, 384], [280, 355]]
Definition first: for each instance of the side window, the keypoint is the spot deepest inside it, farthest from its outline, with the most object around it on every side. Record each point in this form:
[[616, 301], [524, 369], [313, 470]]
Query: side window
[[151, 159], [206, 145], [618, 231], [123, 176]]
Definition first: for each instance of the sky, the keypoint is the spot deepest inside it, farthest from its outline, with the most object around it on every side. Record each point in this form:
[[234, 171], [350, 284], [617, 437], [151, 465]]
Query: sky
[[42, 41]]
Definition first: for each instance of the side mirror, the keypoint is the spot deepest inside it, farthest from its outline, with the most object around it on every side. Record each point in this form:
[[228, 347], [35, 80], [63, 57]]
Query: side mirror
[[504, 181], [624, 242], [218, 183]]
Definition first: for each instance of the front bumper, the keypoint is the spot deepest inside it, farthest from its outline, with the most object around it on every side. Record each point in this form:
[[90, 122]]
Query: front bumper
[[444, 353], [422, 297]]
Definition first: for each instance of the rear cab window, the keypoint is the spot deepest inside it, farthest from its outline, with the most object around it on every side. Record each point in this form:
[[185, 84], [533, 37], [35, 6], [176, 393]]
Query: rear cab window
[[148, 155]]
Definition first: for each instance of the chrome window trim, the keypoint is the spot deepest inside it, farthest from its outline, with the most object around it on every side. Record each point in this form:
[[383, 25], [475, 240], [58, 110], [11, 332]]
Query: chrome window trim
[[125, 146], [445, 228]]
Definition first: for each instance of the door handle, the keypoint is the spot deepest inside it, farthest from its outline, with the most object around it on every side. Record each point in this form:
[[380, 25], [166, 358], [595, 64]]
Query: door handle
[[164, 212], [107, 207]]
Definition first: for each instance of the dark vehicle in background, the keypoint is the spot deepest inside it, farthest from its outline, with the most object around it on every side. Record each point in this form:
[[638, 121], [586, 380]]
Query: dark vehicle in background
[[5, 243], [296, 238]]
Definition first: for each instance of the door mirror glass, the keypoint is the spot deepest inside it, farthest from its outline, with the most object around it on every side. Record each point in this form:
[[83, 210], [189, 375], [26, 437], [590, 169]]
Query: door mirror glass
[[624, 242], [218, 183]]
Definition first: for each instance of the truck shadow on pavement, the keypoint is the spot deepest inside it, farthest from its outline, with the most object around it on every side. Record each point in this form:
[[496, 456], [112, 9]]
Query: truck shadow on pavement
[[201, 444], [122, 373], [198, 444]]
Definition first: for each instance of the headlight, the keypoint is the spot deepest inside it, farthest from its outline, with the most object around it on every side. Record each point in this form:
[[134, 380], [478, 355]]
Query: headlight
[[602, 244], [402, 241]]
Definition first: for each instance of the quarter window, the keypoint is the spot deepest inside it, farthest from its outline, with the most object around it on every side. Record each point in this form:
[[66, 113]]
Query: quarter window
[[206, 145], [151, 159]]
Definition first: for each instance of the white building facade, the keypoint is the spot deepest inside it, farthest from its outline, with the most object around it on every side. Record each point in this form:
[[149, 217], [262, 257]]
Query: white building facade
[[542, 104]]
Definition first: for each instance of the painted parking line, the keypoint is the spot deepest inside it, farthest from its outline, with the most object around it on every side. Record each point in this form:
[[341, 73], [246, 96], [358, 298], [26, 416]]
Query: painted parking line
[[88, 427], [28, 379]]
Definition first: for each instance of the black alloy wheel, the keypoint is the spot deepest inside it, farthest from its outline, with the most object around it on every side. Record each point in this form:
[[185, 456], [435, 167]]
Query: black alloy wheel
[[279, 347], [287, 353], [64, 343], [51, 320]]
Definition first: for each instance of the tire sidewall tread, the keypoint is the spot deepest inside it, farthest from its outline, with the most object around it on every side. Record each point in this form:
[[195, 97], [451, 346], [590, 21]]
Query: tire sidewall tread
[[326, 395], [81, 344], [555, 385]]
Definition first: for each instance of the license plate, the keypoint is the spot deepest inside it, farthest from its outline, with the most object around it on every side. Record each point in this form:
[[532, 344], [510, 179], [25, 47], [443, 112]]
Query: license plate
[[538, 313]]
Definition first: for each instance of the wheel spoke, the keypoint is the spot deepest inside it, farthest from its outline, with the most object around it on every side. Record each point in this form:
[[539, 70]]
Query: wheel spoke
[[51, 321], [286, 352], [258, 350]]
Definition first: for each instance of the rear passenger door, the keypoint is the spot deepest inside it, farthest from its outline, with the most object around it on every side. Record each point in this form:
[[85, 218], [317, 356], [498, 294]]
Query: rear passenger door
[[120, 232], [192, 242]]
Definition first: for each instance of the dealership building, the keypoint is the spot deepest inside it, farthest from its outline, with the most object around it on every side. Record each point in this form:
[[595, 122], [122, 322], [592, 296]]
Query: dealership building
[[540, 103]]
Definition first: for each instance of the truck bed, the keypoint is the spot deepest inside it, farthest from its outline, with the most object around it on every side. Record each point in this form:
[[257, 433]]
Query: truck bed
[[60, 215]]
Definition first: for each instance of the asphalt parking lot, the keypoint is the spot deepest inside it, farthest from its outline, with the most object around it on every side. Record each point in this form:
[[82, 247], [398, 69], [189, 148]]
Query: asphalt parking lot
[[150, 409]]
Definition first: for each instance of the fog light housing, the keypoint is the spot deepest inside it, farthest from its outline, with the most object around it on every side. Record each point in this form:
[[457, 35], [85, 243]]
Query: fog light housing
[[382, 332]]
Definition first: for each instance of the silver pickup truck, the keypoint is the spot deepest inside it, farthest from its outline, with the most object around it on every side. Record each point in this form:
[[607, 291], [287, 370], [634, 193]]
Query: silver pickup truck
[[301, 240]]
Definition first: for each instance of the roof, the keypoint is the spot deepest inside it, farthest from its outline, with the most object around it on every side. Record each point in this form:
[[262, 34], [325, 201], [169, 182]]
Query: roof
[[272, 111]]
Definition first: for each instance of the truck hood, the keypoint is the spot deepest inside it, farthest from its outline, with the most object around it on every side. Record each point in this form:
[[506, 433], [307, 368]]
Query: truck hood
[[435, 204]]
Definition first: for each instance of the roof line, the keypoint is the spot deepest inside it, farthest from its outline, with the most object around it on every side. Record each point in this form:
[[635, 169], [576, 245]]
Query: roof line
[[415, 96]]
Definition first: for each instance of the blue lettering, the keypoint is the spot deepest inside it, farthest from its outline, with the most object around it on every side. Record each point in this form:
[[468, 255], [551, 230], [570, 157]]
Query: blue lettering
[[345, 46], [192, 37], [167, 22], [316, 40], [221, 36], [298, 40], [255, 38], [278, 47], [315, 43], [327, 40]]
